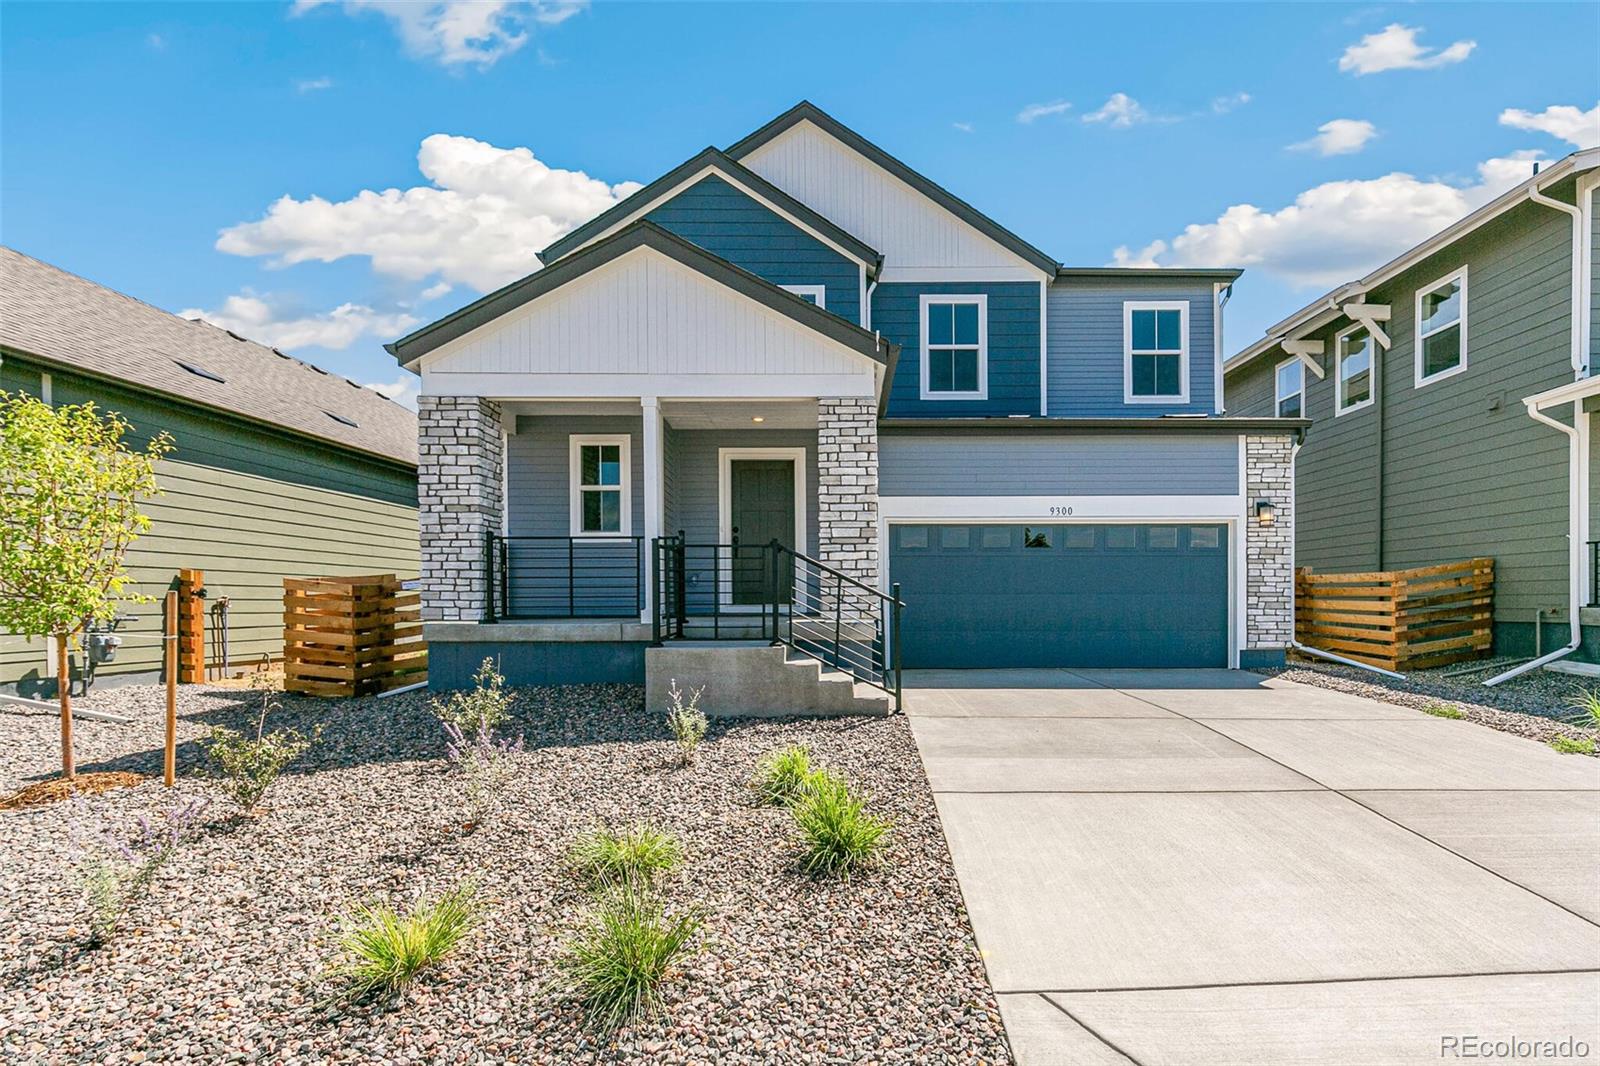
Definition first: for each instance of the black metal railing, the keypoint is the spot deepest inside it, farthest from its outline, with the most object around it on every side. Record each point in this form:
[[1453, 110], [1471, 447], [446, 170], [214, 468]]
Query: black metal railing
[[563, 577], [1594, 573], [712, 591]]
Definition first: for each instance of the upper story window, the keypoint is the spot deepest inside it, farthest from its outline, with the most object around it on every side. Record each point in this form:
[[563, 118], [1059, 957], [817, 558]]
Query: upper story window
[[1155, 365], [1442, 328], [955, 347], [1355, 356], [1291, 389], [816, 294], [600, 500]]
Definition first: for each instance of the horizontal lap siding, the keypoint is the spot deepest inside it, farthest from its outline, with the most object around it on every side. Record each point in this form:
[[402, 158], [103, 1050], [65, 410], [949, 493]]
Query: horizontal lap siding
[[1028, 465], [1086, 346], [1013, 314], [696, 470]]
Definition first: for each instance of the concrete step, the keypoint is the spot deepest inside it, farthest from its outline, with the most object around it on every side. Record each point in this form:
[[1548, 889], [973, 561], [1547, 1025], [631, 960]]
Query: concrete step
[[755, 679]]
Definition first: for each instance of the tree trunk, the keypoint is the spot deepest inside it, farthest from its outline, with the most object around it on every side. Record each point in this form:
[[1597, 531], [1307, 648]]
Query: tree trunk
[[64, 692]]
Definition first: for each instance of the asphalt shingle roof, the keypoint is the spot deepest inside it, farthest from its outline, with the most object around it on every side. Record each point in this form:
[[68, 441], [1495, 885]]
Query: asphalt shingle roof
[[70, 321]]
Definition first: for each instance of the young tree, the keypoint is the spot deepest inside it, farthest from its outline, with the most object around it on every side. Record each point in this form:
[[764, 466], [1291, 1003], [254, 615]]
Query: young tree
[[69, 507]]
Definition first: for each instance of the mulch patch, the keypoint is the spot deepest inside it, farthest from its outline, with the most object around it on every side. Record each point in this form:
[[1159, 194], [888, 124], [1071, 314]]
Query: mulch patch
[[59, 788]]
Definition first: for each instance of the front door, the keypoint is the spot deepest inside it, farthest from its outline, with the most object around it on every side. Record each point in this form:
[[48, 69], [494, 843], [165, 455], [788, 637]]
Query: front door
[[761, 498]]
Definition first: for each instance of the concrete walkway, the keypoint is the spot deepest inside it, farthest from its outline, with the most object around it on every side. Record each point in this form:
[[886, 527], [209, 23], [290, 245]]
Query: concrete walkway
[[1208, 868]]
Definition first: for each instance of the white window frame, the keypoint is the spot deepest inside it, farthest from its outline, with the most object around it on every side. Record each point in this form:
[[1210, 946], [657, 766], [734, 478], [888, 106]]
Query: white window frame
[[818, 293], [1128, 352], [927, 300], [1339, 406], [575, 445], [1458, 275], [1279, 397]]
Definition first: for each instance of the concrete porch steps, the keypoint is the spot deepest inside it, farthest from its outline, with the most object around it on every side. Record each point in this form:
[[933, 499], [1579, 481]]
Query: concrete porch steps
[[755, 679]]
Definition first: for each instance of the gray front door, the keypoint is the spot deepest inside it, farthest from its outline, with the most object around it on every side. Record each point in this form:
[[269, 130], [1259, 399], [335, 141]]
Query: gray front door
[[761, 497]]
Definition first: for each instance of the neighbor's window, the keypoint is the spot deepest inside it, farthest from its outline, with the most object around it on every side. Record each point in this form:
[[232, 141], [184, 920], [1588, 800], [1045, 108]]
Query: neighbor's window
[[816, 294], [600, 486], [1291, 389], [955, 349], [1356, 355], [1156, 368], [1442, 328]]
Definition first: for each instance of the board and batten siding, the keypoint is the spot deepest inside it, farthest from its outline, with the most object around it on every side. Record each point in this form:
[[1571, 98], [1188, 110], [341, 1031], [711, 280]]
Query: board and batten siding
[[1035, 464], [1013, 357], [726, 222], [247, 505], [1594, 278], [1086, 342]]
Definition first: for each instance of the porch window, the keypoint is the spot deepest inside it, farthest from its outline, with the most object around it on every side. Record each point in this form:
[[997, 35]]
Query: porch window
[[1442, 328], [600, 476], [955, 347], [1156, 352], [1354, 352], [1291, 388]]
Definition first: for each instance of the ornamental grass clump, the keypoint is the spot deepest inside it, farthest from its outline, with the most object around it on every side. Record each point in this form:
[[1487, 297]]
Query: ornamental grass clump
[[116, 869], [838, 834], [1587, 705], [782, 774], [248, 766], [639, 854], [686, 720], [617, 961], [384, 950]]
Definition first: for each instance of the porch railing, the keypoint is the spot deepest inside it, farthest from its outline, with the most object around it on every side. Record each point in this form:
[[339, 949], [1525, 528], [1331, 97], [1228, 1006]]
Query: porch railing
[[563, 577], [1594, 573]]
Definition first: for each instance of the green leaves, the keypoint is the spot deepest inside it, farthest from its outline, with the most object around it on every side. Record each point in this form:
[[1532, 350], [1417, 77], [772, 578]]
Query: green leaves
[[384, 950]]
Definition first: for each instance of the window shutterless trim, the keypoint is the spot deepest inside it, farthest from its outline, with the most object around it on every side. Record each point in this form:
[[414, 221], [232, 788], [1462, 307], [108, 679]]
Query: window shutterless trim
[[818, 293], [1418, 379], [1339, 406], [981, 300], [1279, 397], [575, 488], [1128, 351]]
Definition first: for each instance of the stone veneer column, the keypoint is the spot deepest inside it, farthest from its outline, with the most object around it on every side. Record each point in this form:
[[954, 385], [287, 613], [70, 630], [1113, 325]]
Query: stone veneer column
[[847, 485], [1269, 551], [458, 502]]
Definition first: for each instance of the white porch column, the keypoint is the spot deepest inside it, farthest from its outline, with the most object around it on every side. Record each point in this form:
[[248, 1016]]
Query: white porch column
[[654, 494]]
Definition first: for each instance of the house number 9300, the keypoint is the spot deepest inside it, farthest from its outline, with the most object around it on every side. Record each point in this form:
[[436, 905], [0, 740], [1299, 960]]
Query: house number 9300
[[1059, 511]]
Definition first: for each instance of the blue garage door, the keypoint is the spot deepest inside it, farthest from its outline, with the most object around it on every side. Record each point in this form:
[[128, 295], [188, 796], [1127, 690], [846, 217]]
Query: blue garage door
[[1060, 595]]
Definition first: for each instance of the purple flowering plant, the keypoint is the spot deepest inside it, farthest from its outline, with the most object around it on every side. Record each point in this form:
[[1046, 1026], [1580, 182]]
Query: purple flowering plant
[[116, 868]]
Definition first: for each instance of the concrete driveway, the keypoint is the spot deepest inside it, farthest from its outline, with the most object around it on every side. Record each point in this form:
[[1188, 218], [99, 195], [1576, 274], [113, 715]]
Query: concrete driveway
[[1209, 868]]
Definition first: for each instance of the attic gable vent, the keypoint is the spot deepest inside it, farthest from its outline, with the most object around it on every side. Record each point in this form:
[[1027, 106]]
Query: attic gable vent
[[200, 372], [342, 420]]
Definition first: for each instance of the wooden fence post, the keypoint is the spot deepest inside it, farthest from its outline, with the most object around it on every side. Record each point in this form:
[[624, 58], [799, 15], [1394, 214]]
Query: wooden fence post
[[191, 627]]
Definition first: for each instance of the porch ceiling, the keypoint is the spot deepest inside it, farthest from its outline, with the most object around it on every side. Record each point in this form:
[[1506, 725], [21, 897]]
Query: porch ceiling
[[740, 414]]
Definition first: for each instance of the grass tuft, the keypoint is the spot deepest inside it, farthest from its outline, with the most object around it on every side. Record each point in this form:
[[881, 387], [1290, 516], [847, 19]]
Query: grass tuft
[[782, 775], [638, 854], [1443, 710], [385, 950], [839, 835], [617, 961], [1587, 703], [1573, 745]]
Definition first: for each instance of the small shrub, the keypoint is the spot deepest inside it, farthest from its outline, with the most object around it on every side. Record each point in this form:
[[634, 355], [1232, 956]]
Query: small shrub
[[249, 765], [1587, 703], [1573, 745], [625, 949], [637, 854], [115, 870], [485, 765], [781, 774], [486, 705], [839, 835], [383, 950], [686, 721], [1443, 710]]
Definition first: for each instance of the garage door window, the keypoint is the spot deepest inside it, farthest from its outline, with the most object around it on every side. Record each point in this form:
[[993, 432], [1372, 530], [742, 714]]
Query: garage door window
[[995, 537], [1164, 538], [1203, 537], [1077, 538], [1122, 537], [912, 537], [1035, 538], [957, 538]]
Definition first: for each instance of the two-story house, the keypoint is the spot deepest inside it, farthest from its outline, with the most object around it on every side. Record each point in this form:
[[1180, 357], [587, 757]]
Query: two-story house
[[1451, 391], [793, 384]]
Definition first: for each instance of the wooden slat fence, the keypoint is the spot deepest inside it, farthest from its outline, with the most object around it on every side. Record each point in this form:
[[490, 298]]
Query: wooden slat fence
[[1399, 619], [191, 627], [351, 636]]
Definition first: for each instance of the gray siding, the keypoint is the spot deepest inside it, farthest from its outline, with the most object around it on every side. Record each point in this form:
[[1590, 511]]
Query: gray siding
[[1085, 345], [538, 471], [692, 454], [1036, 464]]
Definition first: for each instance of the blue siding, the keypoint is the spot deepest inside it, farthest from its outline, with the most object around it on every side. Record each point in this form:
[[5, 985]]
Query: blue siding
[[725, 222], [1037, 464], [1013, 348], [1086, 346]]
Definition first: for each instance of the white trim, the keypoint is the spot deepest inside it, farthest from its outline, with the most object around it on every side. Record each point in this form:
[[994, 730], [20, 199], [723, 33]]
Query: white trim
[[1339, 406], [1581, 421], [1221, 293], [725, 460], [652, 432], [1418, 380], [1369, 315], [528, 386], [1585, 192], [981, 301], [901, 275], [575, 443], [505, 480], [1278, 397], [1044, 363], [818, 293], [46, 390], [864, 315], [1128, 308]]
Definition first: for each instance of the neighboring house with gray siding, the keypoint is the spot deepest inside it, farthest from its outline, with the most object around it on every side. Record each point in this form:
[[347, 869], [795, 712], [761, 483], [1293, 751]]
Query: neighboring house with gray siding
[[278, 470], [1429, 382]]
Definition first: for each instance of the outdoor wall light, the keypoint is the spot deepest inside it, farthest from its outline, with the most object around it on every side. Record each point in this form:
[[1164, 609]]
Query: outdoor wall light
[[757, 418], [1266, 513]]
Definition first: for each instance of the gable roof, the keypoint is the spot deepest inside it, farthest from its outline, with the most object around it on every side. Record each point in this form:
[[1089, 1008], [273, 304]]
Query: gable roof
[[65, 321], [740, 175], [644, 234], [805, 111]]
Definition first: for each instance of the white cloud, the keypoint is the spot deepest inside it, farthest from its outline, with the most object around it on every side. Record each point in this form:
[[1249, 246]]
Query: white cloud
[[1342, 136], [1578, 128], [457, 32], [1334, 232], [250, 316], [964, 127], [1034, 112], [1395, 47], [402, 391], [312, 85], [480, 223], [1121, 111], [1221, 105], [433, 292]]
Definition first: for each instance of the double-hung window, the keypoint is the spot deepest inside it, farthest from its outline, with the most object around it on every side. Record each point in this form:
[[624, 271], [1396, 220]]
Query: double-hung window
[[955, 347], [816, 294], [1442, 328], [599, 477], [1355, 358], [1155, 365], [1291, 389]]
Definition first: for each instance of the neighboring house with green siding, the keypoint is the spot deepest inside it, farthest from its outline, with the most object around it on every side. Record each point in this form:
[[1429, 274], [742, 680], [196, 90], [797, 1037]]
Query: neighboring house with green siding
[[279, 469], [1452, 392]]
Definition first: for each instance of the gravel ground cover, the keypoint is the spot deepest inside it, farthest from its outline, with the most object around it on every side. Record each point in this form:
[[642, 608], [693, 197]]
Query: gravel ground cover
[[1529, 706], [226, 960]]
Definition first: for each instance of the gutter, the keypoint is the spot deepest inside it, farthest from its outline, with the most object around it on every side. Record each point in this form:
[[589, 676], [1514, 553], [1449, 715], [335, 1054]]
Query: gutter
[[1579, 363]]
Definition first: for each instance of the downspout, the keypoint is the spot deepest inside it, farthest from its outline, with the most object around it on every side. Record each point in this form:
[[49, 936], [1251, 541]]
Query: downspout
[[1579, 367]]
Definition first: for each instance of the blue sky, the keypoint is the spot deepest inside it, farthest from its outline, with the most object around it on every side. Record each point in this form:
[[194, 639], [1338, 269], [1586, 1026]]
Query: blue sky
[[151, 147]]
